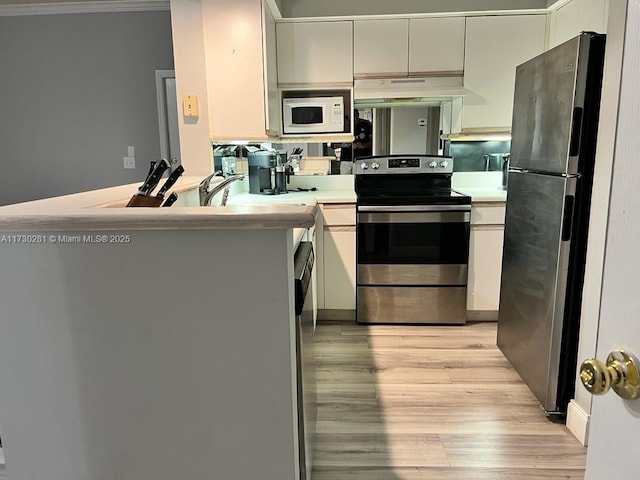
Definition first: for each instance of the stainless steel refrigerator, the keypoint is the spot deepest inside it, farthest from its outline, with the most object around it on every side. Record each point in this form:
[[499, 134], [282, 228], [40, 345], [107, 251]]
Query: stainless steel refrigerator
[[554, 130]]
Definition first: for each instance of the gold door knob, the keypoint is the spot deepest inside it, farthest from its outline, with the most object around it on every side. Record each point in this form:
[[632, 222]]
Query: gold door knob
[[620, 373]]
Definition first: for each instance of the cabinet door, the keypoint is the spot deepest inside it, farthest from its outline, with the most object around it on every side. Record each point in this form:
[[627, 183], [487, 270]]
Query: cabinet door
[[485, 267], [575, 17], [380, 48], [563, 24], [236, 100], [340, 268], [315, 52], [436, 45], [494, 47], [271, 74]]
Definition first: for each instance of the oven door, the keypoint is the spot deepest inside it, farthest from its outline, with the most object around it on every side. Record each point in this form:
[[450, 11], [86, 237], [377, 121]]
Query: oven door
[[412, 264], [413, 245]]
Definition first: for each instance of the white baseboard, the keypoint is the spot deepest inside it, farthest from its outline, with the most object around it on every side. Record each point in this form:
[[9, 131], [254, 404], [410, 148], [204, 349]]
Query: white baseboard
[[578, 422]]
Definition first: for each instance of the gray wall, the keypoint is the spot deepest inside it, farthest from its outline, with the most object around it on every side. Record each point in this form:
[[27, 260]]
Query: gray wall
[[316, 8], [75, 91]]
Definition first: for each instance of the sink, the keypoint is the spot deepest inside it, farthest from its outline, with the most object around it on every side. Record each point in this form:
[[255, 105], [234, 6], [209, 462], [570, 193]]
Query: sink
[[231, 204]]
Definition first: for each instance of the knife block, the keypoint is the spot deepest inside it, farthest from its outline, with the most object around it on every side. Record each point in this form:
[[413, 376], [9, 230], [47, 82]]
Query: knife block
[[144, 201]]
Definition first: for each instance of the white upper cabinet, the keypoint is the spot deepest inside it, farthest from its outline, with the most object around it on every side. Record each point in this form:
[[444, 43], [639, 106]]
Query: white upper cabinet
[[271, 75], [494, 47], [380, 48], [236, 69], [436, 45], [315, 52], [575, 17], [417, 46]]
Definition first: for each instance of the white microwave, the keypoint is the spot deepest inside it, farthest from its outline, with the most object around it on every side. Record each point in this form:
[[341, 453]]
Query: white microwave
[[313, 115]]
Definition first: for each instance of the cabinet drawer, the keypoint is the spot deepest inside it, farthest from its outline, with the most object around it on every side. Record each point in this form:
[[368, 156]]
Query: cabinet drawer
[[487, 213], [339, 214]]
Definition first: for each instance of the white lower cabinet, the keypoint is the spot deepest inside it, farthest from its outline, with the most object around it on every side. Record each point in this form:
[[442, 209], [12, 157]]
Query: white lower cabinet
[[485, 261], [340, 268], [337, 259], [485, 268], [338, 274]]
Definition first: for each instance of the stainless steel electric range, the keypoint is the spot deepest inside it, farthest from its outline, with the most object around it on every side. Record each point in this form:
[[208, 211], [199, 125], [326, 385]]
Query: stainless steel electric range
[[412, 241]]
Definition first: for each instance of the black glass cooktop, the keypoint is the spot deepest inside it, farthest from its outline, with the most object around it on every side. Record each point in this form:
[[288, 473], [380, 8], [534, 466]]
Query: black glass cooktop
[[416, 189], [435, 197]]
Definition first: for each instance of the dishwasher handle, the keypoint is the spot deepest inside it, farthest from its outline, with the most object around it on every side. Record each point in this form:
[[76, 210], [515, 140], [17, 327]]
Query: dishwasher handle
[[303, 269]]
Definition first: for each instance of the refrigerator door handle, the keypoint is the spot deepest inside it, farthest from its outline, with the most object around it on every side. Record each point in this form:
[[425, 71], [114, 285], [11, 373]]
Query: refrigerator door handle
[[567, 221], [576, 132]]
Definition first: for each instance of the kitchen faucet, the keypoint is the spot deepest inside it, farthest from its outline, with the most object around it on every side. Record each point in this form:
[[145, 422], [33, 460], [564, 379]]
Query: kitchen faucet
[[207, 194]]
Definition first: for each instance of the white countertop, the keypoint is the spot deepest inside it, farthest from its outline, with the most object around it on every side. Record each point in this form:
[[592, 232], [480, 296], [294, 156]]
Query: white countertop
[[104, 209], [484, 194], [294, 198], [477, 194], [101, 210]]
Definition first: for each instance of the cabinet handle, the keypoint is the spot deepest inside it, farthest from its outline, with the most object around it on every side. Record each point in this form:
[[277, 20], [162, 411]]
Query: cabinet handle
[[567, 222], [576, 132]]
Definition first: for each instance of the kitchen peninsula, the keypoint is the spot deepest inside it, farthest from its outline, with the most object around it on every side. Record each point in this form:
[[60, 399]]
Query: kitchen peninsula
[[148, 343], [160, 340]]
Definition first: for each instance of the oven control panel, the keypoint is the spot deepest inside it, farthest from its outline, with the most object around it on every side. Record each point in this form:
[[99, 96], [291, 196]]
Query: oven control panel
[[398, 164], [404, 163]]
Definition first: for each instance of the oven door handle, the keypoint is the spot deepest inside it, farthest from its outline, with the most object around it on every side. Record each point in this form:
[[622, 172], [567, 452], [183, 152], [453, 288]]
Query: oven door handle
[[414, 208], [413, 217]]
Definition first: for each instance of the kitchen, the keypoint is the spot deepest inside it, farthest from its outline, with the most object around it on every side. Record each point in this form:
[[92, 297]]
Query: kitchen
[[194, 173]]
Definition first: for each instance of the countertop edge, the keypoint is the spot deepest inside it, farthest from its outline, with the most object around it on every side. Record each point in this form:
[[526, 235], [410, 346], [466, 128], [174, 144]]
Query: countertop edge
[[484, 194], [187, 218]]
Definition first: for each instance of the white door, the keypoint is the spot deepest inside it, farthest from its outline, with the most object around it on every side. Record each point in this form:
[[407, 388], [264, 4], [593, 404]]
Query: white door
[[615, 423]]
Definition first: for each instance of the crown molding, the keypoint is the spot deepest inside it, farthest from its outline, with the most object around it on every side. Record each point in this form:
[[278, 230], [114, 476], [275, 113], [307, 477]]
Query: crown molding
[[469, 13], [557, 5], [84, 7]]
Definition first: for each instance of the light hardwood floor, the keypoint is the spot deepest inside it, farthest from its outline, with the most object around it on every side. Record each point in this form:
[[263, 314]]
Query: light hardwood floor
[[430, 402]]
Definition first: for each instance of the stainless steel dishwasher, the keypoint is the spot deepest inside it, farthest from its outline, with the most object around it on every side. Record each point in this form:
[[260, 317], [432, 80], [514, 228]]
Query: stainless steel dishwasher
[[305, 362]]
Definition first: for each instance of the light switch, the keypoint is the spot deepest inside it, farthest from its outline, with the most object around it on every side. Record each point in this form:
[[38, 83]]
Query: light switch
[[190, 105]]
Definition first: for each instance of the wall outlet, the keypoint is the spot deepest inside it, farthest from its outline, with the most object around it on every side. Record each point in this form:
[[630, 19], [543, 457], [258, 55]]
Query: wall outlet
[[190, 105], [129, 162]]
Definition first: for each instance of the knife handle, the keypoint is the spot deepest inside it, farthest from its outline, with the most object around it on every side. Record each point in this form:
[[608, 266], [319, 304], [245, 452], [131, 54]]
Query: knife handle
[[152, 180], [171, 199], [173, 178], [152, 165]]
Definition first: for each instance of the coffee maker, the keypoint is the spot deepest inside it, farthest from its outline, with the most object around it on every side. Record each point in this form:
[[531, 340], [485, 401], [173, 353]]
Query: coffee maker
[[268, 172]]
